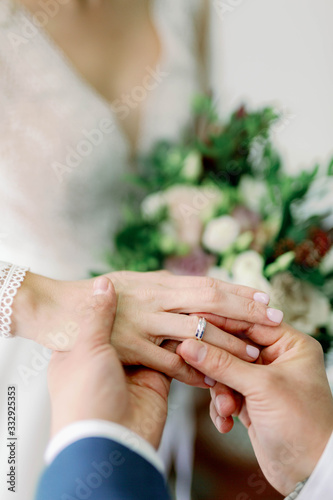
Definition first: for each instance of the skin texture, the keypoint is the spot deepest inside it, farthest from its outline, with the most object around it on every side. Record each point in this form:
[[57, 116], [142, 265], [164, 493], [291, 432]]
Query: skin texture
[[152, 308], [287, 411], [92, 373], [289, 415]]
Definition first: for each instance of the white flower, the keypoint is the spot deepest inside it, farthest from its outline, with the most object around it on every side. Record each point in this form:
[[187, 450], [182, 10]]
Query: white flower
[[318, 201], [304, 306], [220, 234], [247, 270], [152, 205], [248, 262], [192, 167], [257, 281], [326, 265], [253, 192]]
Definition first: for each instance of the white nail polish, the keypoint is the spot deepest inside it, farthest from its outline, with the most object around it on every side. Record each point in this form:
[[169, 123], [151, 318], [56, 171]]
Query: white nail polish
[[209, 381], [252, 351]]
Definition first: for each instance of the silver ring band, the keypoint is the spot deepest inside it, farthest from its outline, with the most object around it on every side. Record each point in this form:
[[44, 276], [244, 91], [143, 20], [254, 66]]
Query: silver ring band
[[202, 323]]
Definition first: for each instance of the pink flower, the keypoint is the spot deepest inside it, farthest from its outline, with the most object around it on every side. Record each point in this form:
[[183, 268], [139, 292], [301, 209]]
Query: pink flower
[[247, 219], [196, 263], [188, 207]]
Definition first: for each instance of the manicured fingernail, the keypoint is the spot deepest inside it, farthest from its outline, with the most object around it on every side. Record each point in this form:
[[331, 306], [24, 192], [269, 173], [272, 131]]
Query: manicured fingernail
[[252, 351], [264, 298], [275, 315], [195, 351], [101, 285], [210, 382]]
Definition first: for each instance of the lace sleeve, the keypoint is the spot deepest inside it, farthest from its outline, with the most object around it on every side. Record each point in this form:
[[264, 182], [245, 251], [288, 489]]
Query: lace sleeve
[[11, 278]]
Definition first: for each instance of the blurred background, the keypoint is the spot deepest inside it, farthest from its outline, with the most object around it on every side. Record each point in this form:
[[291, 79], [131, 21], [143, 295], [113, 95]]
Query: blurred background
[[279, 53]]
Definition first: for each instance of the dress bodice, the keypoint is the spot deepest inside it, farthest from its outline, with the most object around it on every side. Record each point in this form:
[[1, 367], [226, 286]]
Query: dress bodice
[[63, 155]]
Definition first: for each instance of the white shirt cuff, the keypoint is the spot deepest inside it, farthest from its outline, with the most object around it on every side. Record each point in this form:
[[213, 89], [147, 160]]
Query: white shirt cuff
[[320, 484], [103, 429]]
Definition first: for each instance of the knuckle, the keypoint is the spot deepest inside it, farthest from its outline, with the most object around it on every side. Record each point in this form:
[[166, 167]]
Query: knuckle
[[206, 282], [210, 282], [147, 294], [189, 375], [230, 343], [220, 361], [251, 330], [239, 290], [252, 310], [175, 365], [210, 295]]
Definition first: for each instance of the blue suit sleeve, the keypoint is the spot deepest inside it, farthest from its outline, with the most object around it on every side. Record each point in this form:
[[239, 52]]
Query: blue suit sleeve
[[101, 469]]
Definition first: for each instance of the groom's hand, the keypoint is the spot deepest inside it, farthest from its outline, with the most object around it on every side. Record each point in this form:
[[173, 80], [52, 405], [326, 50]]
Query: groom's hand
[[89, 382], [287, 405]]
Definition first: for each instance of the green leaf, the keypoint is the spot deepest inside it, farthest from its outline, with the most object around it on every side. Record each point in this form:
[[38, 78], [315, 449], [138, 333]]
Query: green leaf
[[202, 105], [281, 264], [313, 276], [138, 247], [330, 168]]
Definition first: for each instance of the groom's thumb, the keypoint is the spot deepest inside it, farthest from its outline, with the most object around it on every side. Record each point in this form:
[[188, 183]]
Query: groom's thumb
[[219, 365], [102, 313]]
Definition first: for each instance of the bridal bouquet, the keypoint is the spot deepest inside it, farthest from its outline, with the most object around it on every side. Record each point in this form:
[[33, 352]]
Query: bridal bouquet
[[219, 204]]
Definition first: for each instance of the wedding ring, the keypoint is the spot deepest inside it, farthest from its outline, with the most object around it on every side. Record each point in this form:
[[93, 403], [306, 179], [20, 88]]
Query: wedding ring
[[202, 323]]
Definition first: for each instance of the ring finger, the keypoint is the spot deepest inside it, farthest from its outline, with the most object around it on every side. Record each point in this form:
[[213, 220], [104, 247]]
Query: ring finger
[[180, 327]]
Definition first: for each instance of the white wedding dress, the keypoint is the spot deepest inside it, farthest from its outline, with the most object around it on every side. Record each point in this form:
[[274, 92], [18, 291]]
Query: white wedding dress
[[61, 227]]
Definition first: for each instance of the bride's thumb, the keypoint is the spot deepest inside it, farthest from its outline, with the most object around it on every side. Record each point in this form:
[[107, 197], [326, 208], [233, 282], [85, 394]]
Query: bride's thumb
[[103, 309]]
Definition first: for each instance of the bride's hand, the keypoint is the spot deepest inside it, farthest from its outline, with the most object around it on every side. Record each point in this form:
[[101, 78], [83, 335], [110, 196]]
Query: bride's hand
[[152, 308], [158, 306]]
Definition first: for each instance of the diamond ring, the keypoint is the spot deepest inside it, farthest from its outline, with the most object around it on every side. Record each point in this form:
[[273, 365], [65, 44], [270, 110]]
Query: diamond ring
[[202, 323]]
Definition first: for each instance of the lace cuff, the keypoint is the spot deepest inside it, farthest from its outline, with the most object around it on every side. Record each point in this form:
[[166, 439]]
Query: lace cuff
[[11, 278], [297, 491]]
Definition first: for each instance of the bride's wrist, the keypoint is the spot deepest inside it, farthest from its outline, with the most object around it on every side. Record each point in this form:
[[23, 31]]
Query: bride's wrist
[[33, 295]]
